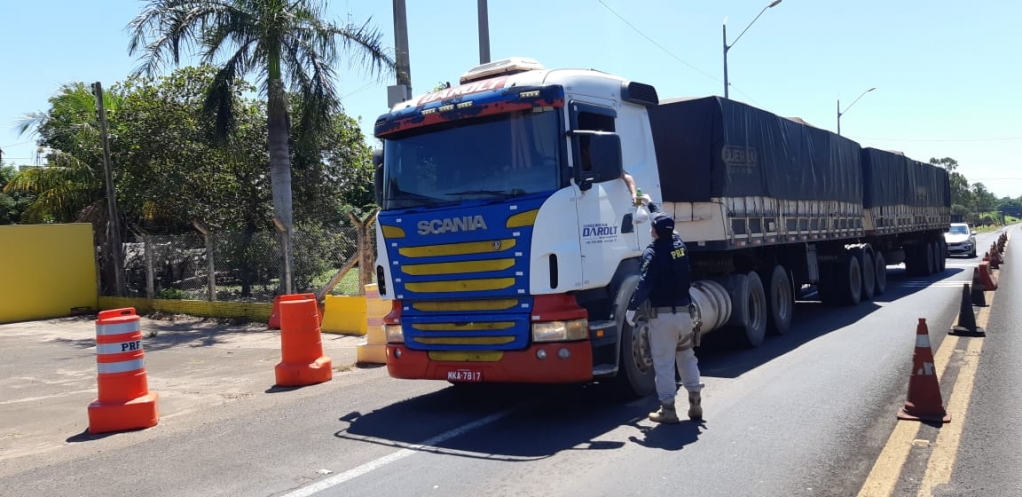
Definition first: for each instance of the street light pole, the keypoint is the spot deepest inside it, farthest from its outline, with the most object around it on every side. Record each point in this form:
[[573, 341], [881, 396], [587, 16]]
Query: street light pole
[[839, 113], [484, 33], [728, 47]]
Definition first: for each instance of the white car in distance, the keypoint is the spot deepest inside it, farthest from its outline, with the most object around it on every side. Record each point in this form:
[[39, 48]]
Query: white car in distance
[[961, 239]]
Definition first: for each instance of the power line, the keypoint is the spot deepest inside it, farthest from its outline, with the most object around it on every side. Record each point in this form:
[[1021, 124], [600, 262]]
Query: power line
[[661, 47]]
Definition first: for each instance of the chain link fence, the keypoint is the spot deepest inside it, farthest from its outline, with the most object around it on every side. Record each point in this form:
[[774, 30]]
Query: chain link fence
[[238, 266]]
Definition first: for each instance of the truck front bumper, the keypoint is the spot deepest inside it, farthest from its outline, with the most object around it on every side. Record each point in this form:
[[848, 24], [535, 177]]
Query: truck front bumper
[[563, 362]]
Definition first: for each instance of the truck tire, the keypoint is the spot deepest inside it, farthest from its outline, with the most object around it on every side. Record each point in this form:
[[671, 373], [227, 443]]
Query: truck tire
[[748, 308], [930, 256], [943, 256], [939, 257], [780, 296], [848, 281], [865, 256], [635, 376], [880, 282], [915, 260]]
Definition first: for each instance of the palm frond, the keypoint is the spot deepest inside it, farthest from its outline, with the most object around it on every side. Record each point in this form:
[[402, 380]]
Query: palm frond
[[371, 54]]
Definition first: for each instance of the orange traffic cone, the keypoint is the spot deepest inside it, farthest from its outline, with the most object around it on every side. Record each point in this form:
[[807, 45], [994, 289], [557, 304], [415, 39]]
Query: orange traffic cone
[[979, 298], [301, 345], [274, 323], [987, 277], [966, 317], [125, 402], [995, 258], [924, 402]]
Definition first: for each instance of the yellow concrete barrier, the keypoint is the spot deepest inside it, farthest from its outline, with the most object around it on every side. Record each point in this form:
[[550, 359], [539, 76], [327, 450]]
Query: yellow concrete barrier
[[255, 311], [345, 315], [46, 271], [374, 351]]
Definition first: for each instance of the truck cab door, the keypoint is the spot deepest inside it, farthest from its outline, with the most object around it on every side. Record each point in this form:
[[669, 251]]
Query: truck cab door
[[604, 205]]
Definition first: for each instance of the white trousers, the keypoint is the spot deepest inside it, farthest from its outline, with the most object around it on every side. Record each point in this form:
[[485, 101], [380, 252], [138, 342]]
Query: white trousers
[[670, 343]]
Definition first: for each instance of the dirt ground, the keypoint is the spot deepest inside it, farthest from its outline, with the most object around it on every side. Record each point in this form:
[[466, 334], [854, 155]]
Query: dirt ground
[[48, 373]]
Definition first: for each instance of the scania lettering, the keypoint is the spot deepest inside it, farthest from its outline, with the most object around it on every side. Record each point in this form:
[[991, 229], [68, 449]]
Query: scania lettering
[[440, 226], [506, 239]]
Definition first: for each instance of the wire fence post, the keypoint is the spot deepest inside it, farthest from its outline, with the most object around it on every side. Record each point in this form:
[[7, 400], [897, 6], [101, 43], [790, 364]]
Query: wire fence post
[[150, 276], [365, 251], [210, 266]]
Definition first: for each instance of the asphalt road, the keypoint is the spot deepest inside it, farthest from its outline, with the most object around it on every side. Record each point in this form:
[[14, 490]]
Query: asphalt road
[[989, 457], [804, 414]]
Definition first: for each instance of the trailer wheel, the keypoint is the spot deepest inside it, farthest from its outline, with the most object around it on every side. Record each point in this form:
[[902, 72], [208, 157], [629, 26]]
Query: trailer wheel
[[930, 256], [938, 254], [915, 260], [880, 283], [849, 280], [748, 308], [943, 256], [865, 256], [635, 377], [781, 298]]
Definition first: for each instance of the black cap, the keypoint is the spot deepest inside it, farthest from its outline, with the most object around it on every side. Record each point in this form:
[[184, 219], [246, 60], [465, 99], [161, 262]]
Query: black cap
[[664, 225]]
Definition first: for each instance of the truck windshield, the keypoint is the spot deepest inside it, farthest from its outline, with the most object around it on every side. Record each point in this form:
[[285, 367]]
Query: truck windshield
[[496, 157]]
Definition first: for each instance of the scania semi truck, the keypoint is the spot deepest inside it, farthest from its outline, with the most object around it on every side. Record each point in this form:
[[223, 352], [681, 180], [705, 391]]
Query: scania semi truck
[[508, 241]]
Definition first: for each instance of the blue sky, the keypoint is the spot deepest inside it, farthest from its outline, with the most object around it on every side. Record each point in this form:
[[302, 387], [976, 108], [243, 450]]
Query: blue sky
[[947, 73]]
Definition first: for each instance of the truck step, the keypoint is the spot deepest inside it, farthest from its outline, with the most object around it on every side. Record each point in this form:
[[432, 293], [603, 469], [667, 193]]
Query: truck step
[[604, 370]]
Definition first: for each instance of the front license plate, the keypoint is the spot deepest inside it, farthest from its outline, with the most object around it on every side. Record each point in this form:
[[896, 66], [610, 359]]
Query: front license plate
[[464, 375]]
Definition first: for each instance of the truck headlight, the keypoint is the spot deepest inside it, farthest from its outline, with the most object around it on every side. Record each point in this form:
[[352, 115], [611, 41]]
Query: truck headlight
[[560, 331], [394, 333]]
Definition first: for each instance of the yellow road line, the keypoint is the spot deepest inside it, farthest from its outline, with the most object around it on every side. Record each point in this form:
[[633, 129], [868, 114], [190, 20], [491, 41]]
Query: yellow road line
[[883, 478], [945, 451]]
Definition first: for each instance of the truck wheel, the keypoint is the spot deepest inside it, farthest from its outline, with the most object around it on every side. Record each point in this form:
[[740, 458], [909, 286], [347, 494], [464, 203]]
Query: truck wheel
[[930, 256], [880, 282], [915, 260], [748, 308], [635, 376], [865, 256], [825, 287], [941, 256], [781, 299], [849, 280]]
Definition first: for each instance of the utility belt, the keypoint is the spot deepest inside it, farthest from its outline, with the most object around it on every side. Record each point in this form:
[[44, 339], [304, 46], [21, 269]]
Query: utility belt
[[693, 313]]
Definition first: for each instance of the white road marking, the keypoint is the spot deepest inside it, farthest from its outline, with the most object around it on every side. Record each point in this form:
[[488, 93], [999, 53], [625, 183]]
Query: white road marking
[[370, 466]]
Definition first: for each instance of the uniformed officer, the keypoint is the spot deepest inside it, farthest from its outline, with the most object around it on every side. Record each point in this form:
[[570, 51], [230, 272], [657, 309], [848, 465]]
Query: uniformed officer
[[665, 282]]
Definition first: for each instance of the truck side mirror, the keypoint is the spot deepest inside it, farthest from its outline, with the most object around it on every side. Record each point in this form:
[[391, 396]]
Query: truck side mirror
[[378, 176], [599, 158]]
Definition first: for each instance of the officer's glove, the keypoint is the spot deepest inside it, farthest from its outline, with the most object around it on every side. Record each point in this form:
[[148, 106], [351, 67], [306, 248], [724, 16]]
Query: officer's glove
[[630, 317]]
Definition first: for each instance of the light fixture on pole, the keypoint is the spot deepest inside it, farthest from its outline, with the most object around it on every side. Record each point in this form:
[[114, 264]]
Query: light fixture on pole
[[728, 47], [841, 113]]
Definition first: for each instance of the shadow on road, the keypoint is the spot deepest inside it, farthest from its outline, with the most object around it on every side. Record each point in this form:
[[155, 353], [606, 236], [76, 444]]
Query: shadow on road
[[158, 335], [720, 357], [514, 422]]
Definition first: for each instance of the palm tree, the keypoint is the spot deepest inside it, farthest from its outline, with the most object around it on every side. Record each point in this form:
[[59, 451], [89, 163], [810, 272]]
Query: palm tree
[[286, 43], [70, 187]]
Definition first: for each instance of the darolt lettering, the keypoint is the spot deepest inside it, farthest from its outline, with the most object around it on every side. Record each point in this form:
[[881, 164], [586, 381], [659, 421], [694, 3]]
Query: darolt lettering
[[599, 230]]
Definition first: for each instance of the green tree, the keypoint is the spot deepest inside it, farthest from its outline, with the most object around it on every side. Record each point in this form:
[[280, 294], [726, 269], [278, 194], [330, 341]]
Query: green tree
[[285, 43], [985, 200], [71, 187], [961, 195], [175, 172], [12, 204]]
